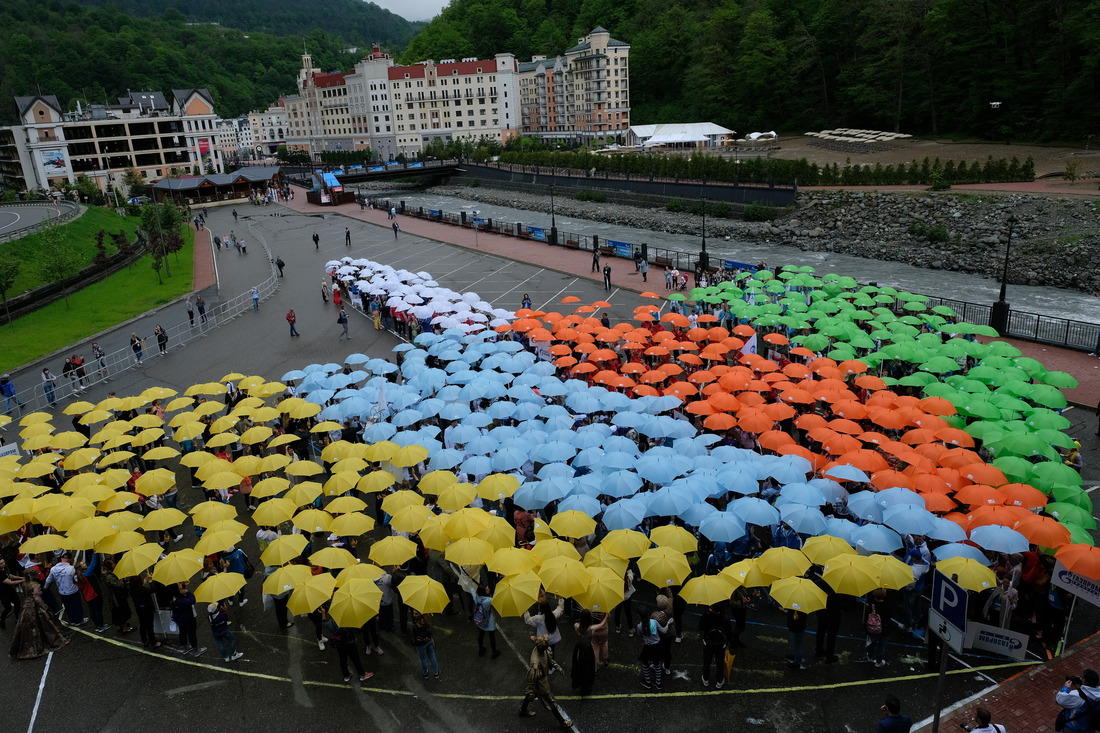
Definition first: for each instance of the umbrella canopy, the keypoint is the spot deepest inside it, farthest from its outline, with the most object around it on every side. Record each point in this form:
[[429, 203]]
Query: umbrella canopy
[[138, 559], [851, 574], [572, 523], [675, 537], [707, 590], [469, 551], [311, 593], [177, 567], [972, 575], [823, 548], [511, 561], [625, 543], [564, 576], [218, 587], [423, 593], [355, 602], [515, 594], [285, 579], [159, 520], [783, 562], [605, 590], [663, 566], [798, 594], [394, 550]]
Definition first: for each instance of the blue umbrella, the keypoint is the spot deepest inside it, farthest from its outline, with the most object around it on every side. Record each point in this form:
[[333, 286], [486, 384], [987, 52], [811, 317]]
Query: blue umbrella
[[629, 419], [850, 473], [958, 549], [588, 457], [803, 519], [462, 434], [897, 495], [837, 527], [406, 418], [621, 483], [320, 396], [445, 459], [661, 470], [403, 347], [550, 411], [833, 492], [465, 376], [381, 366], [739, 479], [754, 511], [580, 503], [292, 375], [430, 406], [583, 402], [501, 410], [624, 514], [909, 519], [537, 494], [477, 465], [723, 527], [332, 412], [477, 419], [455, 410], [998, 539], [378, 432], [483, 390], [618, 460], [876, 538], [483, 444], [589, 436], [450, 393], [863, 505], [668, 503], [946, 531], [555, 470], [552, 452], [526, 411], [502, 433], [784, 469], [357, 359], [615, 401], [620, 443], [427, 338], [508, 459], [696, 513], [804, 494]]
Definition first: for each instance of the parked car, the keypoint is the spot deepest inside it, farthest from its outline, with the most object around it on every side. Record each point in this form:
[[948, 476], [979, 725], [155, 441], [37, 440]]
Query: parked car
[[140, 200]]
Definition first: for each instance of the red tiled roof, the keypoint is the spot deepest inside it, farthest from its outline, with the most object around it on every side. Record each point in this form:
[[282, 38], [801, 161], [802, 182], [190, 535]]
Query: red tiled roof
[[323, 81], [416, 71]]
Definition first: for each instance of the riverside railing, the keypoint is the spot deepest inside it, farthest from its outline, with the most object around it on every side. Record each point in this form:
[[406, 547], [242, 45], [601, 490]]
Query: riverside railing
[[122, 359], [1062, 332]]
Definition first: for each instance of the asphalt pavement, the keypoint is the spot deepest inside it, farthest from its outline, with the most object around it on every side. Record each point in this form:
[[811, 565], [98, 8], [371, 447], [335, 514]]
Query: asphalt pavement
[[284, 682]]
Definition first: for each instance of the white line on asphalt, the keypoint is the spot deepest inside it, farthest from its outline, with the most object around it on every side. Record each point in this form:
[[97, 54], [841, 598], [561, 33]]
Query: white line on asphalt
[[555, 295], [540, 271], [41, 688], [16, 221], [970, 666], [523, 661], [1091, 489]]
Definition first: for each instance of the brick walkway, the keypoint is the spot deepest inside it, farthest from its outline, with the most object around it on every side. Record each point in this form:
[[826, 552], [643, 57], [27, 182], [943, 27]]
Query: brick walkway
[[204, 275], [1025, 703]]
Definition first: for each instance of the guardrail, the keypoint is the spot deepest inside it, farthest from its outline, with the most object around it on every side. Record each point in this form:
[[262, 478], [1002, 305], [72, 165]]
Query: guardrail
[[122, 359], [71, 211]]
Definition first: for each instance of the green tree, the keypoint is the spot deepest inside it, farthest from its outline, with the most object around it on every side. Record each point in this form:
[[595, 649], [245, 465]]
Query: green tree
[[9, 271], [761, 72], [57, 262]]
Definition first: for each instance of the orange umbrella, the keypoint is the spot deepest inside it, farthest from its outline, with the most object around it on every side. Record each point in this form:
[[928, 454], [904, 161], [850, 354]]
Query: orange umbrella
[[646, 390], [924, 420], [935, 502], [960, 519], [954, 436], [717, 333], [602, 304], [931, 483], [676, 319], [681, 390], [755, 420], [706, 318], [724, 401], [802, 351], [796, 371], [649, 294], [1081, 559], [690, 359], [979, 495], [983, 473], [996, 514], [839, 444], [777, 339], [720, 421], [852, 366], [849, 427], [810, 421], [671, 369], [656, 351], [583, 368], [539, 334], [565, 361], [697, 333], [702, 377], [1023, 495], [918, 435], [702, 407], [871, 382], [1044, 531], [633, 367], [586, 309], [586, 348], [653, 377], [889, 478], [864, 460], [570, 299], [798, 396], [603, 355], [560, 350], [874, 438], [779, 411], [886, 418], [750, 399], [936, 406], [744, 331], [771, 439], [849, 409]]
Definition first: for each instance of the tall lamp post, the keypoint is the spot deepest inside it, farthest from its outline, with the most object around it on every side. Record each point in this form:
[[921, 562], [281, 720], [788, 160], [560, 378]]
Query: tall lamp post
[[998, 315], [553, 220], [704, 258]]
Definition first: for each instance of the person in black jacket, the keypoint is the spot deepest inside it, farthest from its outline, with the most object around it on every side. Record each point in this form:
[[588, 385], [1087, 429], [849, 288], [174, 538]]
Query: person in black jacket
[[715, 631]]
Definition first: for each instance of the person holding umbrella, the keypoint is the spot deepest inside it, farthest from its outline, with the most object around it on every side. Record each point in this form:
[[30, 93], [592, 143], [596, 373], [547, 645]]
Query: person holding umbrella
[[218, 616], [344, 642], [425, 645]]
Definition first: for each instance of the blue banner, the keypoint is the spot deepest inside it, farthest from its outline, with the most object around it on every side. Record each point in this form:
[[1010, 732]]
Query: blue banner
[[622, 249], [537, 233], [416, 165], [434, 212], [735, 265], [377, 168]]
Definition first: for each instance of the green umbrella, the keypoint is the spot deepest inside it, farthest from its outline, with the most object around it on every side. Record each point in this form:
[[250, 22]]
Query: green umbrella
[[1007, 402], [1022, 444], [861, 340], [1062, 380], [1029, 365], [914, 305], [940, 365], [763, 275], [943, 310], [1070, 513], [921, 379], [912, 297], [842, 353], [813, 341], [934, 388], [1042, 418], [977, 406], [677, 296], [982, 330], [1055, 438], [1051, 473], [1079, 535], [1014, 468], [1072, 495], [1003, 348], [1047, 396]]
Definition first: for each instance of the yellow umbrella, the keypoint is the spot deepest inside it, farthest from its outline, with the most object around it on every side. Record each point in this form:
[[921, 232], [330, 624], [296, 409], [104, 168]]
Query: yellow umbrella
[[160, 453], [274, 462], [564, 576], [547, 549], [398, 500], [299, 409], [511, 561], [94, 492], [376, 481], [78, 408], [146, 420], [706, 590], [157, 481], [285, 578], [393, 550], [182, 418], [360, 571], [34, 418], [35, 470], [158, 393], [138, 559], [469, 551], [341, 483], [326, 426], [892, 573], [423, 593], [212, 542], [38, 442], [433, 533], [599, 557], [247, 465], [748, 574], [468, 522], [572, 523], [229, 525], [206, 513], [86, 533], [117, 441], [338, 449], [222, 439], [355, 603], [851, 575], [332, 558], [190, 431], [410, 518], [118, 501], [663, 566], [267, 389], [80, 458], [352, 524], [498, 533], [436, 481], [179, 403], [119, 542], [304, 493], [197, 459], [256, 434], [273, 512], [68, 440], [345, 505], [177, 567], [236, 376], [280, 439], [798, 594], [147, 436], [44, 543], [783, 562], [350, 464], [223, 423], [270, 487], [312, 520], [284, 549], [303, 468], [218, 587], [311, 593], [497, 486], [118, 456], [972, 575], [515, 594], [823, 548], [605, 590], [94, 416], [625, 543], [456, 496], [66, 513], [410, 455], [162, 519]]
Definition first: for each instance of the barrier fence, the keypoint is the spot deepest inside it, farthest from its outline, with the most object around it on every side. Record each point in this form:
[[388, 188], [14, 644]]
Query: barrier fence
[[98, 371]]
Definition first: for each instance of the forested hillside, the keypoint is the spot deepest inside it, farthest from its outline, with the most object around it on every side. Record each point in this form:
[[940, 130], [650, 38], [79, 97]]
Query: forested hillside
[[355, 21], [96, 54], [918, 66]]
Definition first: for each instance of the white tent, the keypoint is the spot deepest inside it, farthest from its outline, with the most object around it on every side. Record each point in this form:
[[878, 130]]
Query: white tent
[[707, 133]]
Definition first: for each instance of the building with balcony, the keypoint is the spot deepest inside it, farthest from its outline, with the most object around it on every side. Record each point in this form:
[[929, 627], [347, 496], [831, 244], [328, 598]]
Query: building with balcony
[[156, 135], [580, 95]]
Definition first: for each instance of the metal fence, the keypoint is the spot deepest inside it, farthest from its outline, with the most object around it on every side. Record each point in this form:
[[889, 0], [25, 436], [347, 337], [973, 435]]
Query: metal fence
[[1063, 332], [112, 363], [70, 210]]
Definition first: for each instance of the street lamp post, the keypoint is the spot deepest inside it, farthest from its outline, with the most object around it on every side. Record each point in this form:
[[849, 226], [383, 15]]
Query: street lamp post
[[704, 258], [1089, 140], [553, 219], [998, 315]]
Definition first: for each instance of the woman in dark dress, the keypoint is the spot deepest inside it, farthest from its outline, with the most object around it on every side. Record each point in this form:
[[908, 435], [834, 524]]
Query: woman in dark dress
[[141, 591], [38, 632], [583, 671], [118, 599]]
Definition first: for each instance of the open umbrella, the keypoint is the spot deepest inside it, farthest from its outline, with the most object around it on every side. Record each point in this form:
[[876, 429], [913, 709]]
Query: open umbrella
[[311, 593], [707, 590], [851, 574], [825, 547], [423, 593], [605, 590], [798, 594], [663, 566], [564, 576], [218, 587], [394, 550], [783, 562], [515, 594], [286, 578], [355, 602], [1081, 559], [625, 543], [284, 549], [177, 567], [138, 559], [972, 575], [572, 523]]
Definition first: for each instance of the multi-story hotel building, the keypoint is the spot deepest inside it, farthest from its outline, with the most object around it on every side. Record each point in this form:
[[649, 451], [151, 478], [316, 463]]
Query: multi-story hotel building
[[146, 131]]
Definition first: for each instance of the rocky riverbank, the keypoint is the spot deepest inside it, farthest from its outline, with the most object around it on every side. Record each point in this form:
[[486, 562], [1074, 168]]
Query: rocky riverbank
[[1055, 241]]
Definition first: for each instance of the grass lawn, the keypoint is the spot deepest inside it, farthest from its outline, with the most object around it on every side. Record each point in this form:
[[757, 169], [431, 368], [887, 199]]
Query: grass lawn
[[79, 235], [97, 307]]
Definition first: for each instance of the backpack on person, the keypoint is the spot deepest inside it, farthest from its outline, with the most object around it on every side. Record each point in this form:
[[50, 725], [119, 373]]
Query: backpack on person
[[481, 616], [715, 638], [874, 622]]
